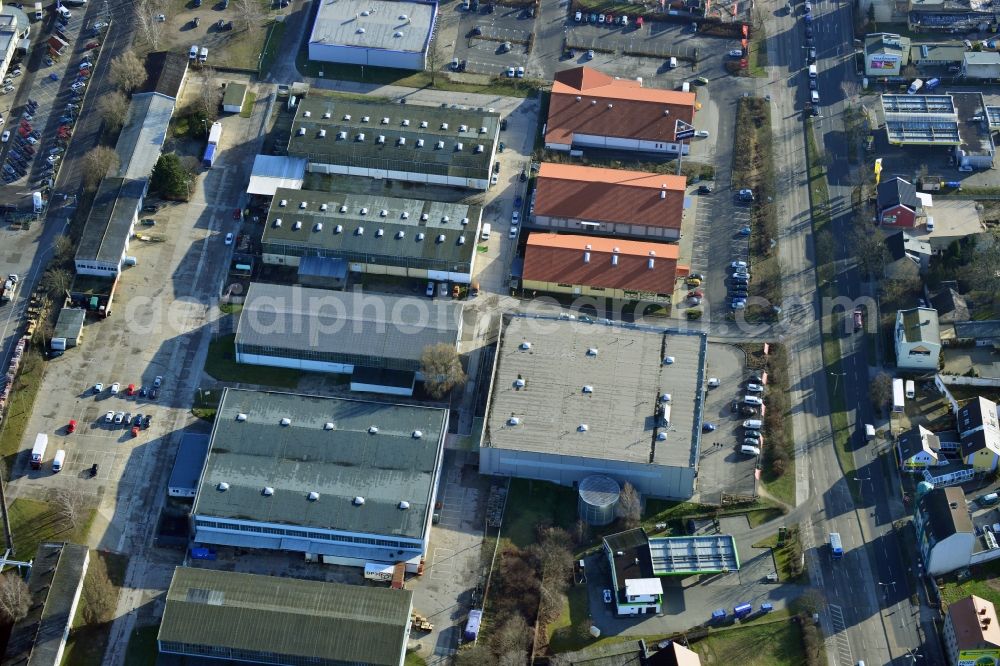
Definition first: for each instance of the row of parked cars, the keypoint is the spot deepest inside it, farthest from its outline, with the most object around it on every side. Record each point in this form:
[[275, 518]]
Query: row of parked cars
[[601, 19], [752, 440]]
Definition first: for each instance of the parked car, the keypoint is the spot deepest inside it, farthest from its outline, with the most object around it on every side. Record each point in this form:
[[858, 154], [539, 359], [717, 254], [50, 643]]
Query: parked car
[[115, 388], [109, 417], [229, 238]]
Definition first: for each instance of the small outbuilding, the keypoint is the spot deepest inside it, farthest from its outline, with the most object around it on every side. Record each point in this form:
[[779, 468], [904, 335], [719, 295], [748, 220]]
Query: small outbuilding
[[234, 97], [69, 328]]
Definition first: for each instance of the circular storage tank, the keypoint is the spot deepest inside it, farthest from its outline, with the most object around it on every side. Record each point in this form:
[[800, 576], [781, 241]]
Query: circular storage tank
[[598, 500]]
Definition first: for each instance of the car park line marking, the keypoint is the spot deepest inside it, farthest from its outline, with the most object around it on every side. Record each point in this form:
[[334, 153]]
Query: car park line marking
[[841, 641], [442, 564]]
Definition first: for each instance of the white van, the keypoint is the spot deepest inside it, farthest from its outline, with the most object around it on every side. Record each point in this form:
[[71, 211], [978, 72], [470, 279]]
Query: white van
[[812, 71], [749, 450], [193, 52], [487, 228], [673, 63], [911, 390], [814, 96], [753, 424], [203, 54], [752, 400], [57, 462]]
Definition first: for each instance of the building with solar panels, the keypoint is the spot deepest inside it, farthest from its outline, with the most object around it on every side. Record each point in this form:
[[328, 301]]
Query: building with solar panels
[[351, 481], [960, 122], [243, 617]]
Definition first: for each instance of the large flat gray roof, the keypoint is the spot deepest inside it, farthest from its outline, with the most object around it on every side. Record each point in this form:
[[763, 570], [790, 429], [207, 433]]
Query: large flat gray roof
[[340, 464], [333, 622], [362, 324], [627, 376], [371, 225], [110, 220], [374, 24], [414, 138], [143, 135]]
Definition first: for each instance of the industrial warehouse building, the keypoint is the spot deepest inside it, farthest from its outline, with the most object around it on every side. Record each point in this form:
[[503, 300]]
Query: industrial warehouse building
[[109, 227], [269, 620], [375, 338], [422, 144], [349, 480], [589, 109], [608, 202], [379, 235], [373, 33], [959, 121], [572, 399], [603, 267]]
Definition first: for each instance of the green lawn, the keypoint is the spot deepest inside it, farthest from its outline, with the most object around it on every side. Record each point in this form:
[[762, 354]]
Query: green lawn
[[760, 644], [86, 643], [248, 103], [985, 583], [563, 633], [784, 556], [142, 647], [412, 659], [531, 503], [272, 46], [221, 364], [26, 386], [34, 521], [240, 48]]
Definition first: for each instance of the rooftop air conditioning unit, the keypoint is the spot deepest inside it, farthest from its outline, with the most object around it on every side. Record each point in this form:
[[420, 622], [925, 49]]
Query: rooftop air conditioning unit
[[358, 501], [318, 226], [328, 425], [365, 119], [297, 225], [222, 487], [406, 122], [338, 229], [267, 491], [417, 434], [322, 133], [372, 430], [241, 417], [313, 496], [285, 421], [379, 233], [525, 346], [403, 506]]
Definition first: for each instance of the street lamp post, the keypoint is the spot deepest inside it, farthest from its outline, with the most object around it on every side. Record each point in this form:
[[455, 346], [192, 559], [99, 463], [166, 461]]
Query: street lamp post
[[838, 375]]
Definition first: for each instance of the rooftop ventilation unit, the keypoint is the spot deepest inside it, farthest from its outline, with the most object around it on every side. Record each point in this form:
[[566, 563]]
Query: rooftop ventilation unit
[[326, 114], [322, 133], [283, 203], [513, 421], [592, 351], [343, 209], [406, 122], [525, 346], [611, 106], [588, 388], [302, 131], [444, 126], [400, 233], [241, 417], [380, 233], [445, 219], [361, 136], [385, 121], [578, 98], [358, 501], [417, 434], [661, 437], [297, 225], [440, 238], [403, 17], [338, 229], [423, 124], [420, 143], [285, 421], [267, 491], [277, 222], [322, 206], [665, 397], [651, 263], [372, 430], [465, 221], [341, 136], [420, 236], [593, 102], [365, 119], [318, 226], [328, 425], [482, 130], [479, 148], [360, 231], [312, 496], [586, 257], [222, 487], [347, 116], [663, 194], [306, 114], [403, 506], [360, 31], [439, 145], [424, 217], [405, 215], [401, 141], [519, 383], [364, 211], [303, 204], [461, 240], [383, 212], [458, 147], [583, 427], [381, 138], [614, 260], [463, 128]]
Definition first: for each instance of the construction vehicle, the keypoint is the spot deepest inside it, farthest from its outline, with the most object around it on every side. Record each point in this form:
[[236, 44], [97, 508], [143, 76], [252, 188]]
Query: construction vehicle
[[420, 622]]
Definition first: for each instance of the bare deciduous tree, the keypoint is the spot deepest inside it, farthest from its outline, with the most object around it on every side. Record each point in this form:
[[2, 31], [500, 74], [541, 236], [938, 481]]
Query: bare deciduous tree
[[15, 599], [69, 504], [984, 270], [442, 369], [512, 638], [128, 72], [62, 247], [209, 96], [96, 165], [56, 282], [114, 110], [475, 655], [629, 505], [881, 389], [100, 596], [250, 13], [149, 26], [870, 249]]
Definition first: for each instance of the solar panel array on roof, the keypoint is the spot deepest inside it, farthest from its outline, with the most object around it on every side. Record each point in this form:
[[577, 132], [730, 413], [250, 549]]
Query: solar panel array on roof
[[684, 555]]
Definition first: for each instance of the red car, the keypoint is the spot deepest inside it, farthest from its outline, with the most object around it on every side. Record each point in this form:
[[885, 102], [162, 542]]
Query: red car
[[92, 45], [135, 431], [131, 389], [238, 213], [71, 427]]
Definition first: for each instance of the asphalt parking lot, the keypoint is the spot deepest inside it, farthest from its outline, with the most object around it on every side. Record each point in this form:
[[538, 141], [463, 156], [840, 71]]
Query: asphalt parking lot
[[722, 468], [482, 36]]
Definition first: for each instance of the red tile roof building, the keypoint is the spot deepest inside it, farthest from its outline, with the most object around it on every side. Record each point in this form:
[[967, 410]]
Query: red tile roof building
[[589, 109], [604, 267], [591, 200]]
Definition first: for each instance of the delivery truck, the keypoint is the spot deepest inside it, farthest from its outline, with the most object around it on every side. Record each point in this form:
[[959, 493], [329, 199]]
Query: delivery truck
[[38, 450], [897, 395]]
